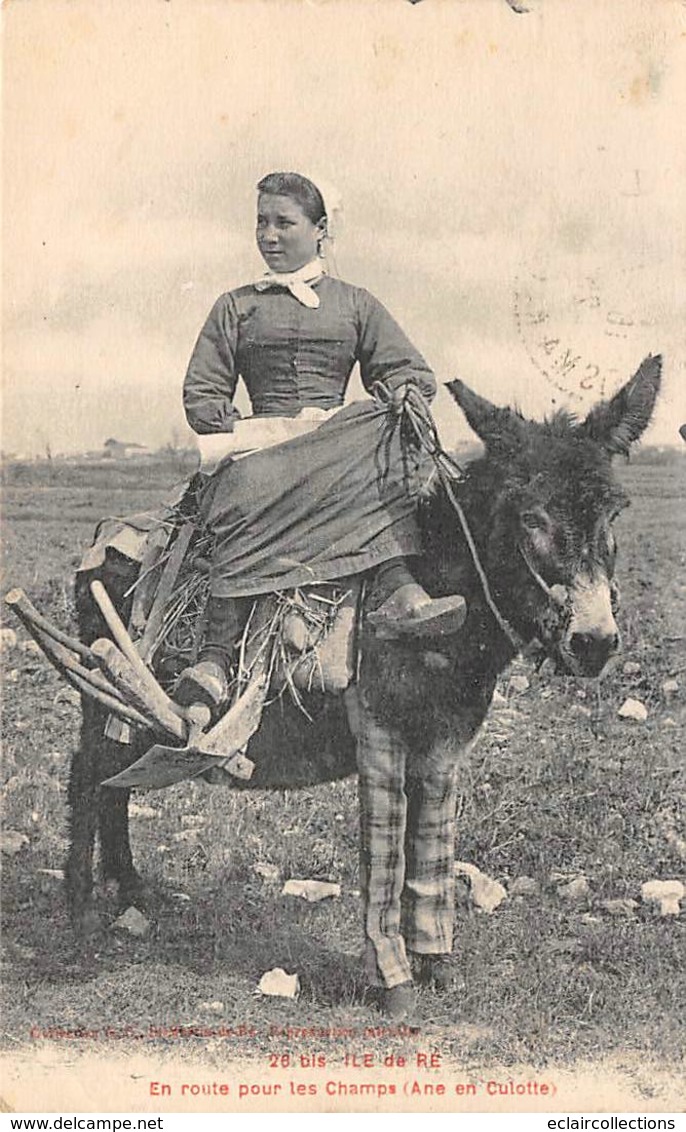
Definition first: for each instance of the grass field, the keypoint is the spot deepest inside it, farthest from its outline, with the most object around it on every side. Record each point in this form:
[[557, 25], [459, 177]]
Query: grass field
[[559, 786]]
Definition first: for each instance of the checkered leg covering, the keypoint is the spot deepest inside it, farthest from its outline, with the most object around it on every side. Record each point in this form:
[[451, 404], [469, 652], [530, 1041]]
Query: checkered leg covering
[[406, 853]]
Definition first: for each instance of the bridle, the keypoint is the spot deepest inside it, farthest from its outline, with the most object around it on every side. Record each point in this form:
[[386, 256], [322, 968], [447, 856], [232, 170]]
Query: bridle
[[557, 594]]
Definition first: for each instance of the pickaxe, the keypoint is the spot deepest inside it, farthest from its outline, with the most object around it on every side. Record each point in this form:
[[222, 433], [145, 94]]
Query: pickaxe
[[114, 673]]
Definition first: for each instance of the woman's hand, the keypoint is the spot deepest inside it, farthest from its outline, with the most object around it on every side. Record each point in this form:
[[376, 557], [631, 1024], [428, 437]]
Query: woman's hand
[[400, 395], [405, 396], [394, 398]]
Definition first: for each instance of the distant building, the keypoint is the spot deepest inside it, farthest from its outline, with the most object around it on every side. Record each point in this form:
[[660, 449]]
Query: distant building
[[124, 449]]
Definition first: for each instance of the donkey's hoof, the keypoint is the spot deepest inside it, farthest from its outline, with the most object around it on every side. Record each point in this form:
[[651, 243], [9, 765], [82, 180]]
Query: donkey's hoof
[[120, 892], [87, 924], [439, 972], [111, 889], [132, 890], [399, 1003]]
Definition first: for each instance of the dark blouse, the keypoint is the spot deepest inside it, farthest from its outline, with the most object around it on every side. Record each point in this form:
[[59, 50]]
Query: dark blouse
[[291, 356]]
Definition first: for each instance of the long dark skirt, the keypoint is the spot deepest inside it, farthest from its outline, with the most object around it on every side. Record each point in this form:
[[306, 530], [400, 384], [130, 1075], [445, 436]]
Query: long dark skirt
[[335, 502]]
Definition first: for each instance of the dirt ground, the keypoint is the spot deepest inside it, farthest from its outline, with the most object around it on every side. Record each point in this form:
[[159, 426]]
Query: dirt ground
[[559, 787]]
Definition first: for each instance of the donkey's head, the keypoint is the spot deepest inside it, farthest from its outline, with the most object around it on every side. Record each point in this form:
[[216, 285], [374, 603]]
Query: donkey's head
[[549, 501]]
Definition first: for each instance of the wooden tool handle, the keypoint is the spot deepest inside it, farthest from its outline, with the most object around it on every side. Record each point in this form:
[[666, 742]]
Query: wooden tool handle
[[127, 680], [31, 618], [127, 647]]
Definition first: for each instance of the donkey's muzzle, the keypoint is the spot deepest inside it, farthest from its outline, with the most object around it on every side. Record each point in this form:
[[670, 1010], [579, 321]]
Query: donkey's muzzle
[[591, 651]]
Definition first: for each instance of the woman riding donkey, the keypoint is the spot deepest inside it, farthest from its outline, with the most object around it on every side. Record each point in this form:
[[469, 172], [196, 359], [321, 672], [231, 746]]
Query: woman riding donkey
[[336, 504], [326, 506]]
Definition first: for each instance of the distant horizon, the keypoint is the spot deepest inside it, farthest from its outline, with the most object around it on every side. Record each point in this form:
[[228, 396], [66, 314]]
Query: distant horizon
[[183, 449]]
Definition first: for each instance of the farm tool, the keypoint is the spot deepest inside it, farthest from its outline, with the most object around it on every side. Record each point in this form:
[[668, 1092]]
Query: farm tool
[[113, 673]]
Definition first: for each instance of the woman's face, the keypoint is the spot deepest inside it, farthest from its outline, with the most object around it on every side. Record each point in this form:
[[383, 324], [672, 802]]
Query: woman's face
[[286, 237]]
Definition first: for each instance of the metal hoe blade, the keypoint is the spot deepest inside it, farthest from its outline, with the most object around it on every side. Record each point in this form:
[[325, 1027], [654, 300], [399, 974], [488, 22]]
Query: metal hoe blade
[[222, 746]]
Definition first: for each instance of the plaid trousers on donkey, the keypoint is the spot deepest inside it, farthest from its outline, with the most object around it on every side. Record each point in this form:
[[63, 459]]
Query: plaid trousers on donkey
[[407, 830]]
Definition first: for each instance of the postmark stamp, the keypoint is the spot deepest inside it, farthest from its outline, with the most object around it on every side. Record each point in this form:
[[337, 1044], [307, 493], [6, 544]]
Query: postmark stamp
[[580, 331]]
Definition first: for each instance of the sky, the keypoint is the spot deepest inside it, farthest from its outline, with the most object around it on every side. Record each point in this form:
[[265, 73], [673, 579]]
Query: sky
[[513, 191]]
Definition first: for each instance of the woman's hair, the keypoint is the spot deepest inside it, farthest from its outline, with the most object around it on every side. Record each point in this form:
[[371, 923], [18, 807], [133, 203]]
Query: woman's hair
[[300, 189]]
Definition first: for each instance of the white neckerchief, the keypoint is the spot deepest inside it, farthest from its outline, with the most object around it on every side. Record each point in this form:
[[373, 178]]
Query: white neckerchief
[[297, 282]]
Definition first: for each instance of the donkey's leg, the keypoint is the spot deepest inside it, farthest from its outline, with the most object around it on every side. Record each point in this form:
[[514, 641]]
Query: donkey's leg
[[91, 763], [83, 791], [428, 899], [381, 757], [115, 845]]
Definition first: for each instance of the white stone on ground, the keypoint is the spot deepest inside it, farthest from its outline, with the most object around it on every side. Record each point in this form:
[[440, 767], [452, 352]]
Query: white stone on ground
[[523, 886], [134, 922], [485, 893], [12, 841], [577, 889], [278, 984], [666, 895], [214, 1007], [311, 890], [620, 906], [267, 871], [634, 710]]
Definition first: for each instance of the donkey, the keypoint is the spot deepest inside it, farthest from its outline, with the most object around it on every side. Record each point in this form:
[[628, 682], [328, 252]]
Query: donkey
[[529, 543]]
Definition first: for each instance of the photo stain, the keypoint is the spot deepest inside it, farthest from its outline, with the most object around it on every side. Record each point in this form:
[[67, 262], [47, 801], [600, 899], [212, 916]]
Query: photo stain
[[645, 86]]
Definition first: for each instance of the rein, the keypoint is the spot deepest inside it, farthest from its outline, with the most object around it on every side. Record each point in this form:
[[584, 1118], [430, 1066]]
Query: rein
[[512, 635], [414, 412]]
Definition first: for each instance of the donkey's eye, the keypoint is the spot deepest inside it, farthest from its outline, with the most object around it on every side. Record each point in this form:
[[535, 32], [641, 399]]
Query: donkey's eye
[[605, 545], [535, 519]]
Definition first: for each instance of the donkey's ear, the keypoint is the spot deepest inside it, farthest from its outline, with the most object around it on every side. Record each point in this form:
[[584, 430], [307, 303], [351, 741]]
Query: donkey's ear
[[617, 423], [498, 428]]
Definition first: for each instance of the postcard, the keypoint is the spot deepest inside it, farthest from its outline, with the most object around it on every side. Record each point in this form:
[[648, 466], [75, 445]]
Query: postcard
[[342, 773]]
